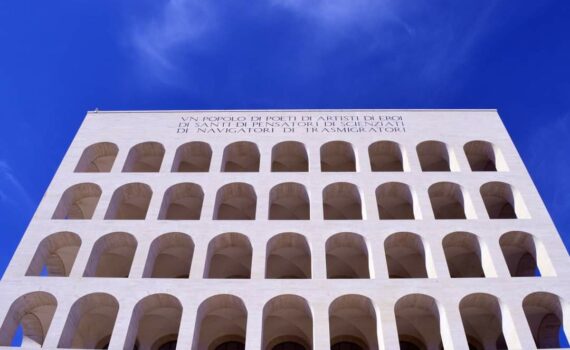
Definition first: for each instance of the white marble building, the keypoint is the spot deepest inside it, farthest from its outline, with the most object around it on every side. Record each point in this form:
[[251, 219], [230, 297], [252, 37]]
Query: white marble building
[[289, 229]]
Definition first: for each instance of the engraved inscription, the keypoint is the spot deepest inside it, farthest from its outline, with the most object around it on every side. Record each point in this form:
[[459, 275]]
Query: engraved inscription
[[309, 124]]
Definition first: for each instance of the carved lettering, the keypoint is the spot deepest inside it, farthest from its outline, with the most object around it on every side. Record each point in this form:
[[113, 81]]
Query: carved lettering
[[290, 124]]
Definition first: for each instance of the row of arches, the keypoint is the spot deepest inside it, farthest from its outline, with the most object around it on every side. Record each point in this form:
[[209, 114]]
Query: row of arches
[[288, 255], [287, 322], [291, 201], [291, 156]]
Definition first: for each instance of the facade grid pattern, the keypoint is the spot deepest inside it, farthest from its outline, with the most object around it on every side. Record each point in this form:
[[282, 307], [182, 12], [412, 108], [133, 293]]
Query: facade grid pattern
[[433, 238]]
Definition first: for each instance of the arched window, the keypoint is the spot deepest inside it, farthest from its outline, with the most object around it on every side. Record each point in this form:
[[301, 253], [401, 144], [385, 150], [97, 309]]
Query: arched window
[[192, 157], [145, 157], [289, 201], [241, 156], [78, 202], [235, 201], [341, 201], [90, 322], [482, 321], [182, 202], [347, 256], [287, 324], [221, 323], [55, 255], [32, 313], [418, 323], [395, 202], [463, 255], [129, 202], [544, 314], [155, 323], [170, 256], [435, 156], [337, 156], [97, 158], [405, 256], [386, 156], [288, 256], [352, 323], [484, 156], [229, 256], [502, 201], [521, 255], [112, 256], [290, 156], [448, 201]]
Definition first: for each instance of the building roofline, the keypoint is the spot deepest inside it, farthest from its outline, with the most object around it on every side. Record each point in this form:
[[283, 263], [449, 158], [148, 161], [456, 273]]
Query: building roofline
[[295, 110]]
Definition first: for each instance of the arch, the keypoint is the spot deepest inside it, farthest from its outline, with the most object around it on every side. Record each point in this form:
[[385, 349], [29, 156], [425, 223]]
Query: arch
[[182, 202], [90, 322], [97, 158], [341, 201], [287, 319], [347, 256], [435, 156], [482, 321], [289, 156], [170, 256], [155, 322], [289, 201], [56, 254], [78, 202], [386, 156], [192, 157], [521, 255], [220, 321], [242, 156], [235, 201], [463, 255], [229, 256], [502, 201], [33, 312], [288, 256], [129, 202], [352, 321], [146, 157], [395, 202], [405, 255], [484, 156], [448, 201], [418, 322], [112, 256], [544, 314], [337, 156]]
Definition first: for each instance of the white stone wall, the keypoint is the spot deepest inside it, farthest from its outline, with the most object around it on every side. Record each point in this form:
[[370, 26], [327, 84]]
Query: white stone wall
[[454, 127]]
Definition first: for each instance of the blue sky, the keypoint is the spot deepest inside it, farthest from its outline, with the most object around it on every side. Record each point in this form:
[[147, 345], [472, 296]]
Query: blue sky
[[62, 58]]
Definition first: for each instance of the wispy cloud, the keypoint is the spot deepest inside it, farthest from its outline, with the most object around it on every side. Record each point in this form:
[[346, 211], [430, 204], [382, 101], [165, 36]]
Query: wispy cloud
[[182, 27], [454, 48], [341, 13], [179, 24], [396, 34], [12, 192], [377, 24]]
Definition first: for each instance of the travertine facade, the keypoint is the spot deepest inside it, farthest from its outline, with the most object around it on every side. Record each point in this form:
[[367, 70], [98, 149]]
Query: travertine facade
[[292, 229]]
